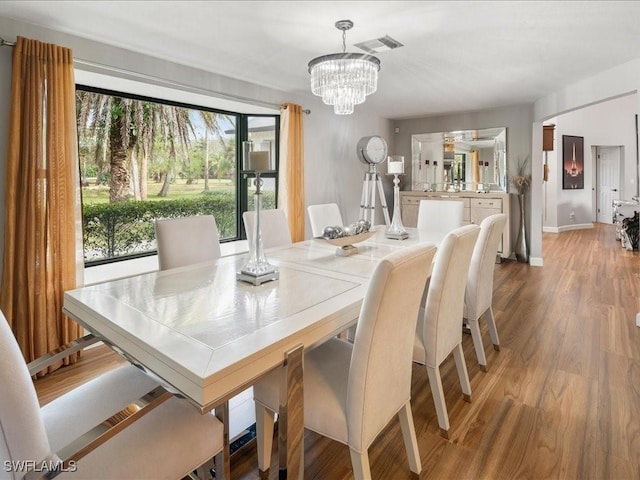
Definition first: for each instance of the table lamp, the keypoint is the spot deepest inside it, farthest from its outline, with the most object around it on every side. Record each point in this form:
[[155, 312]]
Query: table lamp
[[257, 270], [395, 167]]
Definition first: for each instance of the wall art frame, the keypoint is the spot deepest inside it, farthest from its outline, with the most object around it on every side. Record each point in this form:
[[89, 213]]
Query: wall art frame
[[572, 162]]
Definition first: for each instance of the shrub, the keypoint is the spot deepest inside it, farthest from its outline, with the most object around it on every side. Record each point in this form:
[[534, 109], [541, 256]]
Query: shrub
[[113, 230]]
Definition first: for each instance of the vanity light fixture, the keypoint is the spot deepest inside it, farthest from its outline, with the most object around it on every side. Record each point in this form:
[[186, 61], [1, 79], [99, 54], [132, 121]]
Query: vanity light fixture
[[344, 79]]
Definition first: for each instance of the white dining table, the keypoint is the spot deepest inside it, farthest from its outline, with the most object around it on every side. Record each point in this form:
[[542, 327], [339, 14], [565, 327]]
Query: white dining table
[[209, 336]]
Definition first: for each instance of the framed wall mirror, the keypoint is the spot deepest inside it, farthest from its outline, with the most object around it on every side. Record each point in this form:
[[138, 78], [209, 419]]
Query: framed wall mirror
[[465, 160]]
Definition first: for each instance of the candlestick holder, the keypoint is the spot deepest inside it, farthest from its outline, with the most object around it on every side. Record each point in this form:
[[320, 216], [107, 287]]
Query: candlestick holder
[[257, 270], [396, 231]]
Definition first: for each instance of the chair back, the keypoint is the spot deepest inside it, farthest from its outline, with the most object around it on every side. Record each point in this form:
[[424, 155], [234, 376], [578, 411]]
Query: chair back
[[23, 435], [186, 240], [440, 216], [479, 291], [380, 371], [274, 227], [444, 305], [324, 215]]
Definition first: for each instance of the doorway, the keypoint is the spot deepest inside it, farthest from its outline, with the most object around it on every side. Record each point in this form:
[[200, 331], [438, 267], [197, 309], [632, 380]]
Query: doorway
[[607, 185]]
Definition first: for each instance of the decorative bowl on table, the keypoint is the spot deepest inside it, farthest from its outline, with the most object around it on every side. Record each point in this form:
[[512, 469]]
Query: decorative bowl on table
[[346, 243]]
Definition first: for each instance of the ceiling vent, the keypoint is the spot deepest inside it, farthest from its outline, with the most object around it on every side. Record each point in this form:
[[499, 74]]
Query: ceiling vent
[[378, 45]]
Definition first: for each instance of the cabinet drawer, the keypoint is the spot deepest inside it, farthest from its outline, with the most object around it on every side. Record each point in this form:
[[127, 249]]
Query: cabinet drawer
[[487, 203], [411, 200]]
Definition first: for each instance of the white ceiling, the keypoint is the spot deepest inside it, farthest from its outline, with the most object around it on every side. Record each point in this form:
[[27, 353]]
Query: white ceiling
[[457, 56]]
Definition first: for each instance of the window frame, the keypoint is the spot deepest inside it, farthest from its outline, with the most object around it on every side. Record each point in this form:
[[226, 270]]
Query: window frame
[[243, 176], [241, 134]]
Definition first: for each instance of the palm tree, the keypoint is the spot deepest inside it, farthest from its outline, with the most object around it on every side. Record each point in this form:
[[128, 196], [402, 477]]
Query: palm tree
[[225, 160], [125, 129], [211, 124], [120, 145], [126, 134], [175, 126], [107, 119], [94, 121]]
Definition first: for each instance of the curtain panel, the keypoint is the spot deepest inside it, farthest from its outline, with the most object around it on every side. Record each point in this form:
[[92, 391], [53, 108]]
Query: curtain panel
[[42, 244], [291, 169]]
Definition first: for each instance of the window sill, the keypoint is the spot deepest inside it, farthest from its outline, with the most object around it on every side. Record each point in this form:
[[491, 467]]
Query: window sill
[[127, 268]]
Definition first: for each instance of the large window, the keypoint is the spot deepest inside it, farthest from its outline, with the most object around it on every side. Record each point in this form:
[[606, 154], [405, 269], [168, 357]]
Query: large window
[[144, 158]]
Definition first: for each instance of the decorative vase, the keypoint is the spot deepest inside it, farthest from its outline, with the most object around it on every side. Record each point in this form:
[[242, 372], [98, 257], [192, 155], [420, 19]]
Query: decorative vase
[[521, 252]]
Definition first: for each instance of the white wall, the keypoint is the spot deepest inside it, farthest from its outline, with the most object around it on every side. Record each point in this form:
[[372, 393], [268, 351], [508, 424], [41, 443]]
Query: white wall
[[610, 123], [333, 172], [608, 84]]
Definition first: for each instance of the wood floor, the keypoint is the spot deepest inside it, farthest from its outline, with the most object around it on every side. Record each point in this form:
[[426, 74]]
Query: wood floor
[[560, 400]]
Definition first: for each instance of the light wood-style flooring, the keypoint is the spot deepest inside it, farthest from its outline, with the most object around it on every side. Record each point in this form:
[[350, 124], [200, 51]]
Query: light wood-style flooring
[[560, 400]]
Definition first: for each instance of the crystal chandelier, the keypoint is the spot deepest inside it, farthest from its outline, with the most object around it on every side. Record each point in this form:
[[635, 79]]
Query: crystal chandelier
[[344, 79]]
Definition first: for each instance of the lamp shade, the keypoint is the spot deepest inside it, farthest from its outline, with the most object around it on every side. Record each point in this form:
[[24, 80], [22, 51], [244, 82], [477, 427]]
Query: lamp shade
[[395, 165], [258, 161]]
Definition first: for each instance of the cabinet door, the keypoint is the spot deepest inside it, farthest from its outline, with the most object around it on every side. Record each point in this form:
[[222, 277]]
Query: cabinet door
[[483, 208], [410, 211]]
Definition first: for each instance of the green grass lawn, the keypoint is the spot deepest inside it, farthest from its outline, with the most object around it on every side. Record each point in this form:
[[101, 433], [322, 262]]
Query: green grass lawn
[[179, 189]]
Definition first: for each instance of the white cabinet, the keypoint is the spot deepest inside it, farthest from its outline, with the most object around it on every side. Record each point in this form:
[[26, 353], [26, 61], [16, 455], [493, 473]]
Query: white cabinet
[[477, 207]]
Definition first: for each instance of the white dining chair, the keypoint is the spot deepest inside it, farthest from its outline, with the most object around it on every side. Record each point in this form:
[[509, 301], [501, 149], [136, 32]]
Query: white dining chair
[[479, 290], [186, 240], [170, 441], [439, 331], [352, 391], [440, 216], [274, 227], [325, 215]]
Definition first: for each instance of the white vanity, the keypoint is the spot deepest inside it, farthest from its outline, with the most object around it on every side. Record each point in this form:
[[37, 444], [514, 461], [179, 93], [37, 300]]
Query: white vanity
[[477, 207]]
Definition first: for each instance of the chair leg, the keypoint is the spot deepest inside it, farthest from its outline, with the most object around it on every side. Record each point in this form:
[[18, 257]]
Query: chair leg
[[223, 459], [204, 471], [474, 326], [493, 331], [409, 436], [461, 366], [435, 382], [360, 465], [264, 436]]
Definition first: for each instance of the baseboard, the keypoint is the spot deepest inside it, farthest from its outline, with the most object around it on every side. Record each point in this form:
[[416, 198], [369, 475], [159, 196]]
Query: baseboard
[[535, 261], [579, 226], [247, 437], [550, 230]]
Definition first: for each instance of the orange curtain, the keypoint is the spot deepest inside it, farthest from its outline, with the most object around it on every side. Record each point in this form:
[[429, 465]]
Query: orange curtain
[[291, 176], [475, 168], [42, 202]]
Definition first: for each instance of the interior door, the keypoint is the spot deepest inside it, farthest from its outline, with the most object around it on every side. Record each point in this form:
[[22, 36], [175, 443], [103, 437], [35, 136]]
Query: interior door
[[608, 182]]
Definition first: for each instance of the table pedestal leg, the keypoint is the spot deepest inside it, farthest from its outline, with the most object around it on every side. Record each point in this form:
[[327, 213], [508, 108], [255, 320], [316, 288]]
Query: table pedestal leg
[[291, 417]]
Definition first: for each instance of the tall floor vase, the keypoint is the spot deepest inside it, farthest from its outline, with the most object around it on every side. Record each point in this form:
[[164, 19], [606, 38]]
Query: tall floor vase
[[522, 254]]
